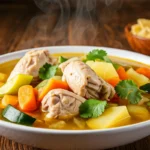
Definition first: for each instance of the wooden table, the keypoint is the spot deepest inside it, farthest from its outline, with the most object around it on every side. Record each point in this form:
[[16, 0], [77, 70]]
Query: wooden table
[[22, 25]]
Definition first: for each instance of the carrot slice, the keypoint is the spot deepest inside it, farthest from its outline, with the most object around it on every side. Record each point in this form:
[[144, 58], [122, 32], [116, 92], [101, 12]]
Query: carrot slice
[[144, 71], [9, 99], [51, 84], [122, 73], [27, 98], [114, 81]]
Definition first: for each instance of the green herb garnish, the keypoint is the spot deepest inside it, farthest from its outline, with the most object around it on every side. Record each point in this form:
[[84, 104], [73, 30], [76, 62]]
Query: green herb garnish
[[99, 54], [61, 59], [127, 89], [96, 54], [92, 108], [47, 71]]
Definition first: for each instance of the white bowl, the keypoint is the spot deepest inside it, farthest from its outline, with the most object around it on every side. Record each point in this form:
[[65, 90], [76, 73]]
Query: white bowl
[[69, 139]]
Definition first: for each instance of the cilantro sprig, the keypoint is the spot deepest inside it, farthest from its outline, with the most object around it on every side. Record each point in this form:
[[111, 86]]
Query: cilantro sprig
[[47, 71], [99, 54], [92, 108], [127, 89]]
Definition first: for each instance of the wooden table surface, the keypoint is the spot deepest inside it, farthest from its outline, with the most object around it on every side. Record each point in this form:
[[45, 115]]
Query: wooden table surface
[[22, 25]]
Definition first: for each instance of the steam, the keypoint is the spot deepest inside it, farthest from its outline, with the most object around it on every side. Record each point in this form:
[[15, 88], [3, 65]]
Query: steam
[[73, 22]]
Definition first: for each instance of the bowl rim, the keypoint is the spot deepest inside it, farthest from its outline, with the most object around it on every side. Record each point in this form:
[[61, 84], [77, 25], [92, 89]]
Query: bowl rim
[[76, 132]]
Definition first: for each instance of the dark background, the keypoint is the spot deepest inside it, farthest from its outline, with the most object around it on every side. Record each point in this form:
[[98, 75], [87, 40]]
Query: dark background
[[24, 24]]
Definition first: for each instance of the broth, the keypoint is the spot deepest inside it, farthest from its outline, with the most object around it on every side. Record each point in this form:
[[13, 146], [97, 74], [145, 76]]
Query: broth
[[70, 123]]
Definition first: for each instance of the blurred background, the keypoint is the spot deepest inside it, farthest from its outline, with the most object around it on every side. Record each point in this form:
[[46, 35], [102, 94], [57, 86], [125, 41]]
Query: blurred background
[[35, 23]]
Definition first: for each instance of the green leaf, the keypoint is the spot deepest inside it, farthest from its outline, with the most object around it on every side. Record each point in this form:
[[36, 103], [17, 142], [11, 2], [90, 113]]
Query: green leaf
[[106, 59], [47, 71], [145, 87], [127, 89], [96, 54], [61, 59], [116, 66], [92, 108]]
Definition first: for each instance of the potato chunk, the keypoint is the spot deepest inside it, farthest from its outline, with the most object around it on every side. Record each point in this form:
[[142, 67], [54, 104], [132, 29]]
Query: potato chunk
[[103, 69], [138, 112], [112, 117], [139, 79]]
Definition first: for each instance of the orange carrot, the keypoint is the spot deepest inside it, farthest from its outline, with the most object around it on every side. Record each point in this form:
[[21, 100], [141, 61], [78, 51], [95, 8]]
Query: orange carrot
[[9, 99], [27, 98], [113, 81], [144, 71], [51, 84], [35, 92], [122, 73]]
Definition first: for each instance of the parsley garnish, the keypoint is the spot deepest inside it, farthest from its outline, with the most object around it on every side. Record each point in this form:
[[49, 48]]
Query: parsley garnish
[[127, 89], [62, 59], [96, 54], [99, 54], [47, 71], [92, 108]]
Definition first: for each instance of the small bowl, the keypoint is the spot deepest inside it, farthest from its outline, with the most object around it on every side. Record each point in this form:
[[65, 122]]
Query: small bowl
[[138, 44]]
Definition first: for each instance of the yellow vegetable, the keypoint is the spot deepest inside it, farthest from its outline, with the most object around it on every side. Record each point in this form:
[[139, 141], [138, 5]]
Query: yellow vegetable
[[103, 69], [3, 77], [58, 125], [79, 122], [139, 79], [138, 112], [12, 86], [112, 117], [142, 28], [9, 99], [1, 84]]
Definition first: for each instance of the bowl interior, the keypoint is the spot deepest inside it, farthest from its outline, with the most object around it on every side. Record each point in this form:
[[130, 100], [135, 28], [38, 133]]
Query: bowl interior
[[77, 49]]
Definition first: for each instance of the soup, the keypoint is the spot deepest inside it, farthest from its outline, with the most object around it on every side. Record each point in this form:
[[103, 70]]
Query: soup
[[74, 91]]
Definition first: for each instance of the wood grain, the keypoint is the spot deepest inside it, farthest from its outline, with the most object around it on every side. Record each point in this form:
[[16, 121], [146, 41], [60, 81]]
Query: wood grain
[[24, 26]]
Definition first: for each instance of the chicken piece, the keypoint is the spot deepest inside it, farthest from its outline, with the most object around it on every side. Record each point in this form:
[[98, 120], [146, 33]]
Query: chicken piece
[[31, 63], [84, 81], [62, 104]]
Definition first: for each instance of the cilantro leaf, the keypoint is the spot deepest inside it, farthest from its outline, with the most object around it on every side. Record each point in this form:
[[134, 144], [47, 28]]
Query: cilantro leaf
[[101, 55], [127, 89], [92, 108], [62, 59], [96, 54], [47, 71]]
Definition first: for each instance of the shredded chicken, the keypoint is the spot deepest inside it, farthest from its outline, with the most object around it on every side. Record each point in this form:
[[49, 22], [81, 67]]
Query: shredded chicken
[[31, 63], [84, 81], [62, 104]]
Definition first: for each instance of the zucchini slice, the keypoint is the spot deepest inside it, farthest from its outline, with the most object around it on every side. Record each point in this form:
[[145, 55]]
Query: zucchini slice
[[13, 115]]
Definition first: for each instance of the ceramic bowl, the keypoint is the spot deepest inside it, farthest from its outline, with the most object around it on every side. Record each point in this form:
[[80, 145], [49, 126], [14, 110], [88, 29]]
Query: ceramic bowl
[[80, 139], [138, 44]]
